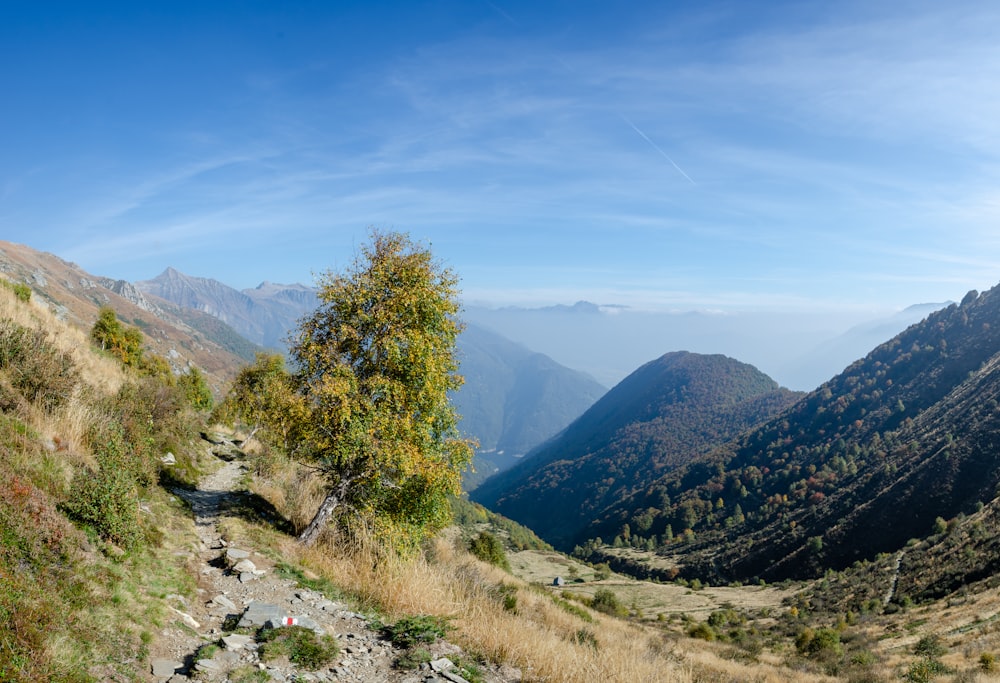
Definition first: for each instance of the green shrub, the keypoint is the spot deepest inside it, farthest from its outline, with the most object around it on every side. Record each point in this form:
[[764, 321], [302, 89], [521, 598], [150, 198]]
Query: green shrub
[[413, 658], [21, 290], [585, 637], [410, 631], [701, 630], [249, 674], [930, 646], [606, 601], [124, 342], [987, 662], [925, 670], [822, 642], [36, 370], [195, 389], [107, 501], [300, 645], [489, 548]]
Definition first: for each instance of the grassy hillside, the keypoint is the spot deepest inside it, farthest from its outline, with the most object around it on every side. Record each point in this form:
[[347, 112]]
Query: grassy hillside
[[95, 554], [83, 564]]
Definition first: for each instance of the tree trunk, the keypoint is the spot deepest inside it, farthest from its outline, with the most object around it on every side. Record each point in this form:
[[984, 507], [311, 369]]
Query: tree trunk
[[249, 437], [332, 501]]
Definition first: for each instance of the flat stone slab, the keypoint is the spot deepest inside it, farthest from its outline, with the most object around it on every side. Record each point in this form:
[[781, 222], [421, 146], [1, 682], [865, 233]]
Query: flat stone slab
[[165, 668], [260, 613], [236, 642], [244, 566], [223, 601], [234, 555], [207, 666], [443, 664]]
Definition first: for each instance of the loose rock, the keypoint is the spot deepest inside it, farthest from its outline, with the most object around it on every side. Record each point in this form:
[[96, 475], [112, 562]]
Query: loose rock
[[165, 668]]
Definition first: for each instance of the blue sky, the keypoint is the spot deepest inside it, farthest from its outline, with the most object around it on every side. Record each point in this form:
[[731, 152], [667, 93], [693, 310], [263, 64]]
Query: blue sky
[[709, 155]]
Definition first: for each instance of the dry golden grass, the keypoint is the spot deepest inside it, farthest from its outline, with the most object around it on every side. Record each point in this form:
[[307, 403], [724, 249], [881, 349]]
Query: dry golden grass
[[99, 375], [539, 637], [295, 490], [545, 641]]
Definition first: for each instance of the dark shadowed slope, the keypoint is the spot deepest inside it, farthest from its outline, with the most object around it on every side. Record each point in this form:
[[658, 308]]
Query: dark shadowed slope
[[667, 413], [513, 399], [870, 460]]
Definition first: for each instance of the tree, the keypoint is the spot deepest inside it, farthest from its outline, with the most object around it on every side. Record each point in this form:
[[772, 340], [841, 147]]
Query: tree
[[375, 362], [195, 388], [489, 548], [124, 342], [264, 396]]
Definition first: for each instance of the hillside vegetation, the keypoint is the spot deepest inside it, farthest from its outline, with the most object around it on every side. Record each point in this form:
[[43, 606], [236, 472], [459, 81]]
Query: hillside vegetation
[[183, 338], [82, 568], [94, 549], [902, 445], [95, 552], [664, 415]]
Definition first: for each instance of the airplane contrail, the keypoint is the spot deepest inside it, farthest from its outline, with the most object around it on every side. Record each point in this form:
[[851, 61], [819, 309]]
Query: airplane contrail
[[657, 148], [502, 13]]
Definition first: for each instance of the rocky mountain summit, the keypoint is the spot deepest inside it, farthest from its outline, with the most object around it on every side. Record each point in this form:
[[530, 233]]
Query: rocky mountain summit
[[264, 315]]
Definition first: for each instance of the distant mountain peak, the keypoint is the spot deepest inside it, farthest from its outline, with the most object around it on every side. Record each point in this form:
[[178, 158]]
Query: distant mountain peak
[[665, 414], [264, 314]]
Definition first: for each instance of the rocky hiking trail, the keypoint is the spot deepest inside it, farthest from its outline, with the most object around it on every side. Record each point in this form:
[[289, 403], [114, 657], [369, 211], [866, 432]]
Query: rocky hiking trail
[[239, 593]]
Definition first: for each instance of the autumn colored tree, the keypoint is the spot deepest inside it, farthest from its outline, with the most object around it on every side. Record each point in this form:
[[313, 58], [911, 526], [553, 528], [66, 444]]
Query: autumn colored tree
[[375, 362], [264, 397], [124, 342]]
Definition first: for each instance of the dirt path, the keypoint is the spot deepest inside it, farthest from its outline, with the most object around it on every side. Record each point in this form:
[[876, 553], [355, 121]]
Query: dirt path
[[239, 584]]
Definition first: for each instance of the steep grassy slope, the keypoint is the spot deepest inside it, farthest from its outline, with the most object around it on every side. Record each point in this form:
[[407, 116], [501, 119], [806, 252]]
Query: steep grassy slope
[[83, 562], [665, 414], [74, 296]]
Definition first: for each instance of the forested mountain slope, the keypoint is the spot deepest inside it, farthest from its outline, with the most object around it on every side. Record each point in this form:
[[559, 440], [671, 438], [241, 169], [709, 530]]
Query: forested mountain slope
[[513, 399], [665, 414], [870, 460]]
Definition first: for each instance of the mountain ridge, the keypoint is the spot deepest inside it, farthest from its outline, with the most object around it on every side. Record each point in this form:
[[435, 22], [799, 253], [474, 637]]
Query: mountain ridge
[[667, 412], [861, 466], [264, 315], [75, 296]]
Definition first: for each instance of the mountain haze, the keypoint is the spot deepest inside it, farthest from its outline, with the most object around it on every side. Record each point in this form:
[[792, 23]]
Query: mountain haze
[[513, 399], [799, 349], [665, 414], [870, 460], [264, 314]]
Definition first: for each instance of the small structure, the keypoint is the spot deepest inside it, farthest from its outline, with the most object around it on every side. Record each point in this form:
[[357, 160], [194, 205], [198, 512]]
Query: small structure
[[558, 581]]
